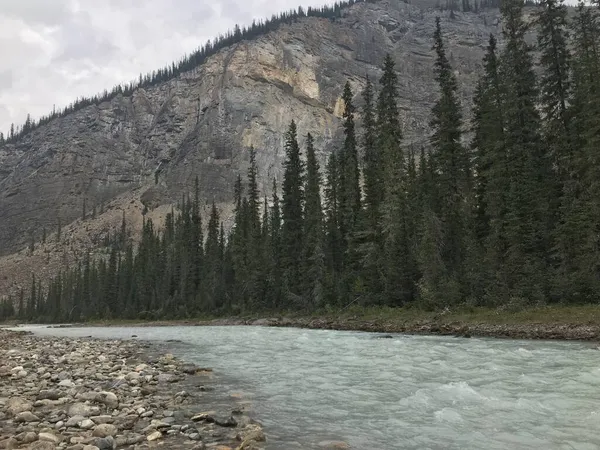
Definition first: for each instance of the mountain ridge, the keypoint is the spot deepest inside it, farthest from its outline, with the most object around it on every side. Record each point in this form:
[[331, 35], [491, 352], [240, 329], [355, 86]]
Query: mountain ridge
[[157, 140]]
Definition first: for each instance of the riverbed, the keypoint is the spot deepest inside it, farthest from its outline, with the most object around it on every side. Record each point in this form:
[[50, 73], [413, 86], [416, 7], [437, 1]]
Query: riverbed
[[313, 387]]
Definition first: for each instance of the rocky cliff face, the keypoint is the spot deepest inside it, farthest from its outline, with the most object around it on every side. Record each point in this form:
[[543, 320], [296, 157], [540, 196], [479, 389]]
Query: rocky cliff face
[[202, 123]]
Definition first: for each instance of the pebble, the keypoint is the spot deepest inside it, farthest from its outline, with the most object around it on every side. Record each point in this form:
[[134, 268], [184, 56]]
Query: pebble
[[87, 394]]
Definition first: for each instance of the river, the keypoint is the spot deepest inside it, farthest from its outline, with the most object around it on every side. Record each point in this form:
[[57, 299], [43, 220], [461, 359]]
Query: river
[[404, 392]]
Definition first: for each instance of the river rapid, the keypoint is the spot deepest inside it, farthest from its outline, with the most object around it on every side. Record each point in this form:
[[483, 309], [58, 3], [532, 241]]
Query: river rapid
[[308, 387]]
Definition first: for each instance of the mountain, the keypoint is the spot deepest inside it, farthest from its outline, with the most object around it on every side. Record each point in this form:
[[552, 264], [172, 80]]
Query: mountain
[[144, 150]]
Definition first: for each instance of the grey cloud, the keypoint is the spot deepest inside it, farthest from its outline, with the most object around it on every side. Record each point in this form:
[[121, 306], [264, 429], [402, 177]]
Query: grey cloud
[[6, 79], [36, 11], [54, 51]]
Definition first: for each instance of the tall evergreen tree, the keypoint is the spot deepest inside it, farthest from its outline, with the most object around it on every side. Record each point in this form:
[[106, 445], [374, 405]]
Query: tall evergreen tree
[[350, 196], [399, 266], [530, 171], [292, 212], [492, 180], [452, 168], [373, 167], [313, 228]]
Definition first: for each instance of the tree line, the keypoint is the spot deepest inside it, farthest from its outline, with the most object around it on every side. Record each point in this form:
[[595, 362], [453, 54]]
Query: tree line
[[186, 64], [502, 209]]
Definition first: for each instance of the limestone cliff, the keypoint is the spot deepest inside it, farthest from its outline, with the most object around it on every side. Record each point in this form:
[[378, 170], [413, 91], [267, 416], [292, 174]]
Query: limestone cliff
[[152, 144]]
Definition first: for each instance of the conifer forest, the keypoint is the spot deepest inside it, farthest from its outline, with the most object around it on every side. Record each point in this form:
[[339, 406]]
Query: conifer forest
[[502, 207]]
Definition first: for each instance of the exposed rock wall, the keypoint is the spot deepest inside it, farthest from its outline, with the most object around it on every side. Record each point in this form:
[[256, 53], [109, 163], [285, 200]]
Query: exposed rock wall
[[202, 123]]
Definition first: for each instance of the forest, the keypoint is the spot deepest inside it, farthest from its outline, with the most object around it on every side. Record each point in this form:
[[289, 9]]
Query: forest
[[503, 209]]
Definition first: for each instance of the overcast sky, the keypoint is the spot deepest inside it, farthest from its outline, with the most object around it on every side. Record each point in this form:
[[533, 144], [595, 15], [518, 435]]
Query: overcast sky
[[53, 51]]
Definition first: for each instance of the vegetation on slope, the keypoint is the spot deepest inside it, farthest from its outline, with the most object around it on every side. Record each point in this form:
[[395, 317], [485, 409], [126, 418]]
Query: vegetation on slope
[[508, 219]]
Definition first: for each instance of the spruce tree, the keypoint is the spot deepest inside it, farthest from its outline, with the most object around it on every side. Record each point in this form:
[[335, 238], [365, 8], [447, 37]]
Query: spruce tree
[[452, 168], [333, 245], [292, 213], [492, 177], [399, 265], [577, 235], [313, 228], [350, 196], [275, 251], [373, 167], [529, 165]]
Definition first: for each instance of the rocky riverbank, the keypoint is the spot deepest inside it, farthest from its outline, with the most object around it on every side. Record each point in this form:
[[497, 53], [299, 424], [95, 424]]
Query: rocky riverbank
[[440, 326], [88, 394]]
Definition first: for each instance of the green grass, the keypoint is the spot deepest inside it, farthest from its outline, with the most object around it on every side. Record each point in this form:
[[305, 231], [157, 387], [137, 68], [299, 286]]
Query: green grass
[[571, 315], [546, 315]]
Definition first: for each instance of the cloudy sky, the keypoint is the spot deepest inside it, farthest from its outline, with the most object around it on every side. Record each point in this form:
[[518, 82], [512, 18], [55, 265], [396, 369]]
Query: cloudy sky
[[53, 51]]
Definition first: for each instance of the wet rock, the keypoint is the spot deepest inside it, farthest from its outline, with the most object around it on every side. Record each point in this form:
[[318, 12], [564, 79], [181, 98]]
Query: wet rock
[[228, 422], [203, 417], [167, 378]]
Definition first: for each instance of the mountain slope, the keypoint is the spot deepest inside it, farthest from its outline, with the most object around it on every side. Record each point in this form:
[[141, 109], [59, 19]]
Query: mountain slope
[[157, 140]]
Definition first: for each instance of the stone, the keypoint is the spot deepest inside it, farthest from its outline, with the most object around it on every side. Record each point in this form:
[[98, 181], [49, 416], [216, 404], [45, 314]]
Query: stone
[[50, 437], [27, 437], [167, 378], [108, 398], [80, 409], [74, 421], [254, 433], [90, 447], [203, 417], [16, 405], [26, 416], [228, 422], [105, 430], [154, 436], [66, 383], [48, 395], [86, 424], [107, 443], [42, 445], [102, 419]]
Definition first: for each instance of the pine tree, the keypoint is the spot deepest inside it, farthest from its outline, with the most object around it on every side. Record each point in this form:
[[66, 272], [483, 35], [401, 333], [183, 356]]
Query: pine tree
[[530, 173], [373, 168], [275, 250], [313, 228], [350, 196], [334, 245], [492, 177], [452, 168], [399, 264], [577, 234], [292, 212], [213, 259]]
